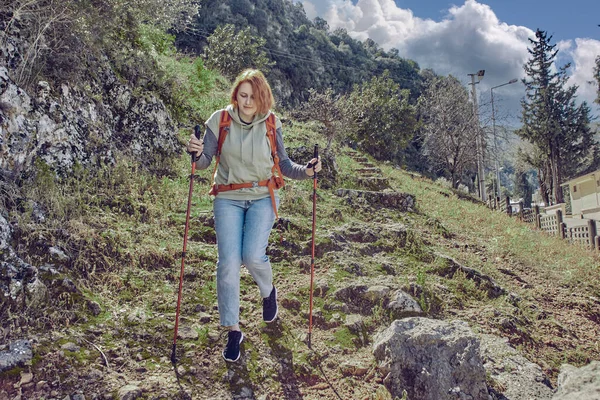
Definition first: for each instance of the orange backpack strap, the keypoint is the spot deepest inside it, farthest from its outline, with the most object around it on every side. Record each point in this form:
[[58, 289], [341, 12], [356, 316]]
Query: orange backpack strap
[[276, 181], [272, 135], [223, 131]]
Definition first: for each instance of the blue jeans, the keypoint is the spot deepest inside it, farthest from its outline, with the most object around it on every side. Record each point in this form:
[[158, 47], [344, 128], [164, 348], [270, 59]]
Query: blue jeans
[[243, 228]]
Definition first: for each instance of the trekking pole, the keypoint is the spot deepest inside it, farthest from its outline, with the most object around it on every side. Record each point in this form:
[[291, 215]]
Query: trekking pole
[[312, 258], [185, 236]]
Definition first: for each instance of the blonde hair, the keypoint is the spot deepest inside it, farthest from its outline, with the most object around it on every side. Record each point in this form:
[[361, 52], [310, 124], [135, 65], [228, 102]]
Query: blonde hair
[[262, 91]]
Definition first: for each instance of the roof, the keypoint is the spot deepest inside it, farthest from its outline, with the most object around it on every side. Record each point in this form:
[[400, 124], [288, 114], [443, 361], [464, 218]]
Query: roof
[[582, 178]]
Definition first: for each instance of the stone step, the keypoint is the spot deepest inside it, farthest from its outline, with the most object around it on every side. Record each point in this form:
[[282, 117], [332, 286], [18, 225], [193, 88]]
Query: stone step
[[368, 170], [401, 201], [376, 183]]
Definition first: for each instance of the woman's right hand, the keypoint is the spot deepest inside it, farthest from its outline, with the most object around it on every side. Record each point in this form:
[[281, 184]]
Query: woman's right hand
[[195, 145]]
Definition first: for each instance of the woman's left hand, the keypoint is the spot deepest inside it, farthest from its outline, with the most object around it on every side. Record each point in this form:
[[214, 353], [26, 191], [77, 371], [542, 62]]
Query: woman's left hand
[[312, 168]]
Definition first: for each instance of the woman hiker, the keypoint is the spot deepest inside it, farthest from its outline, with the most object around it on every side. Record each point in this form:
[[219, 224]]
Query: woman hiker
[[246, 196]]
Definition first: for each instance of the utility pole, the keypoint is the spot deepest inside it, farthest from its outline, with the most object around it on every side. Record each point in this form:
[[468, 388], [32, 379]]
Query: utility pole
[[494, 131], [478, 137]]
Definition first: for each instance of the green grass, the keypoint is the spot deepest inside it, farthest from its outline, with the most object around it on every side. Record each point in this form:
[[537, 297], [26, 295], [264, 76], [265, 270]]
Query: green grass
[[504, 237]]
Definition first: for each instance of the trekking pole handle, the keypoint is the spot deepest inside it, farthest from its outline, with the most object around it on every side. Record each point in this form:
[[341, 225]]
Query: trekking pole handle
[[197, 134], [316, 156]]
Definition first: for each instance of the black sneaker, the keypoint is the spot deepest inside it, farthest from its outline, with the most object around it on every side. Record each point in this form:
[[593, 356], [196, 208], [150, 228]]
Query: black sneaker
[[232, 350], [270, 306]]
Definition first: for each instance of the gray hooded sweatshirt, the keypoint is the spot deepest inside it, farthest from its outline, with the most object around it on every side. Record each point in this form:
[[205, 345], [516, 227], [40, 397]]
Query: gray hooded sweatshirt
[[245, 155]]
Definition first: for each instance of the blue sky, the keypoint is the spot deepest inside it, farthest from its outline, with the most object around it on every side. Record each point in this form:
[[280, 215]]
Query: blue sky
[[463, 37], [580, 20]]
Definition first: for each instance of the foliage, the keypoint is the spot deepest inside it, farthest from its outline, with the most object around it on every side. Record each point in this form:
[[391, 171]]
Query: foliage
[[230, 52], [324, 108], [189, 89], [307, 54], [523, 185], [383, 119], [449, 128], [552, 121], [597, 76], [66, 38]]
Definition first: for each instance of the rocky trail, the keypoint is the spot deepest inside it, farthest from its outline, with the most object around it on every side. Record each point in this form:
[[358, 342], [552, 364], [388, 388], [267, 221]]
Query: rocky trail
[[395, 305]]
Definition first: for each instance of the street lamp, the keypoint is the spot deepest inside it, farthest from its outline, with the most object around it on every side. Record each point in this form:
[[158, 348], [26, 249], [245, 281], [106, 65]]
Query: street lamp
[[478, 138], [494, 131]]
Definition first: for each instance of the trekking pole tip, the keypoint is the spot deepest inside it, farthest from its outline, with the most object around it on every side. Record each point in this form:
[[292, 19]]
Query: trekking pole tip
[[173, 354]]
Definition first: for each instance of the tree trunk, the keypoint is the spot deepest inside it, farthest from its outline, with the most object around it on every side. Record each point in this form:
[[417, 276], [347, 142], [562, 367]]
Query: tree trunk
[[543, 187], [556, 175]]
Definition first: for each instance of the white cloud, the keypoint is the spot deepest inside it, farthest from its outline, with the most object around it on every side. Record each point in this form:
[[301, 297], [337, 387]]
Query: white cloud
[[311, 10], [584, 53], [468, 38]]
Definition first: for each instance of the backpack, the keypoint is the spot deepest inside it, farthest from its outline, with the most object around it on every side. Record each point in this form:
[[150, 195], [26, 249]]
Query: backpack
[[274, 182]]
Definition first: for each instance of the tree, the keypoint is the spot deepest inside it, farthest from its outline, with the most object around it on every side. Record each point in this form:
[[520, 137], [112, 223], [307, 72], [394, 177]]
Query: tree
[[449, 128], [523, 186], [597, 76], [552, 120], [324, 108], [321, 24], [382, 117], [65, 36], [231, 52]]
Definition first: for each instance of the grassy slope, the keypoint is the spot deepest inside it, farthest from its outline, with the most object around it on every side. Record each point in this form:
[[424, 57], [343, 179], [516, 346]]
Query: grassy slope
[[129, 227]]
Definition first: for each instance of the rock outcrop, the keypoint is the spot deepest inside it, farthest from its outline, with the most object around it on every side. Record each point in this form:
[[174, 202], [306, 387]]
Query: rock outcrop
[[431, 360], [579, 383]]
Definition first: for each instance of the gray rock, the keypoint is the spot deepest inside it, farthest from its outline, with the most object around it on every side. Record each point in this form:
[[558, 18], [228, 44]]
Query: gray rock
[[403, 305], [94, 308], [57, 254], [579, 383], [483, 282], [204, 318], [431, 360], [354, 323], [376, 294], [187, 333], [19, 354], [129, 392], [18, 280], [37, 293], [70, 347], [69, 286], [137, 316], [518, 378]]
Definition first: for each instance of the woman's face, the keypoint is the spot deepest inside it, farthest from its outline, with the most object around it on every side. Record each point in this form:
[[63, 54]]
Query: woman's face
[[247, 105]]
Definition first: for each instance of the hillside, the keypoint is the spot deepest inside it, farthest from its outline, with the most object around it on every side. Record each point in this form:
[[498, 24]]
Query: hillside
[[414, 282], [106, 330]]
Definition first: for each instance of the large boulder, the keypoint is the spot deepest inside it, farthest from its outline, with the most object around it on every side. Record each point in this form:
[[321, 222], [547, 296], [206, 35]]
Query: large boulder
[[579, 383], [431, 360], [16, 354]]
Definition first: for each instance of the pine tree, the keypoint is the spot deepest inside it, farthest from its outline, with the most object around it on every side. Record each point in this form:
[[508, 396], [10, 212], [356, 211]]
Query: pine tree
[[597, 76], [552, 121]]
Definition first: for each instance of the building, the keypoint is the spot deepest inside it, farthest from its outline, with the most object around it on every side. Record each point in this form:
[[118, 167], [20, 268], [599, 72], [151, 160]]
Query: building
[[585, 195]]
